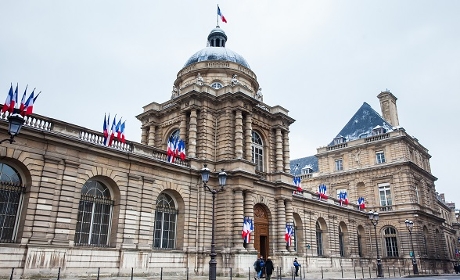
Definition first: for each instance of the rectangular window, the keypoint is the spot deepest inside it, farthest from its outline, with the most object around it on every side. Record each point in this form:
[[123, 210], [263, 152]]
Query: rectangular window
[[385, 197], [10, 201], [338, 165], [380, 157]]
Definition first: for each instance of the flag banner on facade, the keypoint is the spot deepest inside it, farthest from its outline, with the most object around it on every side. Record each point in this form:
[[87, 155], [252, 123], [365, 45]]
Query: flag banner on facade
[[322, 191], [361, 204], [175, 149], [24, 107], [114, 131], [297, 183], [343, 198], [248, 228], [220, 15], [289, 234]]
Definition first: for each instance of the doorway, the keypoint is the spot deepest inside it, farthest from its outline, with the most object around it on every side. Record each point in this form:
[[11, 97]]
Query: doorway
[[261, 231]]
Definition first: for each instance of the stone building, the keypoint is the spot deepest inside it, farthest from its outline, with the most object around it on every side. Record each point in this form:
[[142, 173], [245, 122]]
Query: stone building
[[71, 204]]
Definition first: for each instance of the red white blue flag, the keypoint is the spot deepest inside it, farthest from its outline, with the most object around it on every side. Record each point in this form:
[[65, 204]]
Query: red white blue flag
[[361, 204], [322, 191], [297, 182], [289, 234], [9, 97], [219, 13], [248, 228], [343, 197]]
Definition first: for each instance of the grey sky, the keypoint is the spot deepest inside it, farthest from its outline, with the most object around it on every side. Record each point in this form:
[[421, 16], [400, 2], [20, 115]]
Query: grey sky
[[319, 59]]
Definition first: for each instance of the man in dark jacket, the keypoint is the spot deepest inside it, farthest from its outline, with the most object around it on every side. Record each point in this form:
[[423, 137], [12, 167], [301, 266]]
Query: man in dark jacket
[[269, 267], [259, 267], [297, 266]]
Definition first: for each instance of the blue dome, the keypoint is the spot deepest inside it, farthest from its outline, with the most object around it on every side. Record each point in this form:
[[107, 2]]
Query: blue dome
[[216, 50], [217, 53]]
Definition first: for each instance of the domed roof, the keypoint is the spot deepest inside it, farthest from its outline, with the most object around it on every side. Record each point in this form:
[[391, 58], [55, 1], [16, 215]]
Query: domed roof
[[216, 50]]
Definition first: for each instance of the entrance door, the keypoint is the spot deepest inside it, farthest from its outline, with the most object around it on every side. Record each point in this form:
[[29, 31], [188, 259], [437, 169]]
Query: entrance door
[[261, 232]]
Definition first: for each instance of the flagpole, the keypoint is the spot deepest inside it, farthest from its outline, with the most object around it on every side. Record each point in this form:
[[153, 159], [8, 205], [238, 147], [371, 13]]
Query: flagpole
[[217, 19]]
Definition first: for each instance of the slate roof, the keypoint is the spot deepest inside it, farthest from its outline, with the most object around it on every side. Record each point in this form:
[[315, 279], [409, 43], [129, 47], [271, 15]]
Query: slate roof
[[360, 125], [311, 161]]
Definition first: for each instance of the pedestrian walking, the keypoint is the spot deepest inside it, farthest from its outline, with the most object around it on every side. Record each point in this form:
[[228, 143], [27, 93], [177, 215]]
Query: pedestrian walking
[[297, 266], [269, 267], [259, 267]]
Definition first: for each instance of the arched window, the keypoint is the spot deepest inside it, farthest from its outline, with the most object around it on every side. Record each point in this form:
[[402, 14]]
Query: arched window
[[391, 243], [94, 215], [164, 235], [341, 244], [11, 190], [360, 250], [319, 240], [257, 151]]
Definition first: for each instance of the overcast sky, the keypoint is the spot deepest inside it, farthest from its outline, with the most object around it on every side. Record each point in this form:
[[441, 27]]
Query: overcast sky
[[319, 59]]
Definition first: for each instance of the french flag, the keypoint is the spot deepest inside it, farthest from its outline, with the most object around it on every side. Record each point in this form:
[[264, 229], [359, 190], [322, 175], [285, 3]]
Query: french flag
[[23, 100], [361, 204], [14, 100], [244, 231], [343, 197], [181, 149], [7, 103], [118, 130], [113, 130], [250, 229], [322, 191], [219, 13], [29, 104], [105, 127], [288, 235], [122, 129], [297, 183], [172, 148]]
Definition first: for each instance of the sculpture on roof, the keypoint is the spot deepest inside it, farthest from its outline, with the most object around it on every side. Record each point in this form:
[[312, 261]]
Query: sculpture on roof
[[174, 92], [234, 81], [199, 80], [259, 95]]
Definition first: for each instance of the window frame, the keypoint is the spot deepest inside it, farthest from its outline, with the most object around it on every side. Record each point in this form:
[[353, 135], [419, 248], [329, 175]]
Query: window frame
[[257, 151], [98, 203], [380, 157], [159, 225], [385, 197], [319, 240], [391, 242], [339, 164]]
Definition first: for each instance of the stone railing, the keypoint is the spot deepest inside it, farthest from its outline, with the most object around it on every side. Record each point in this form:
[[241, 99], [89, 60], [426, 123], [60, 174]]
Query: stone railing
[[78, 133]]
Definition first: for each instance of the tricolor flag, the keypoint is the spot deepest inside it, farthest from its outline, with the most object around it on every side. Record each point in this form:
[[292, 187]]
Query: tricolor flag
[[122, 129], [343, 197], [248, 228], [29, 105], [219, 13], [361, 204], [23, 100], [9, 97], [289, 234], [244, 231], [118, 130], [105, 127], [172, 148], [181, 149], [113, 129], [322, 191], [297, 182], [14, 100]]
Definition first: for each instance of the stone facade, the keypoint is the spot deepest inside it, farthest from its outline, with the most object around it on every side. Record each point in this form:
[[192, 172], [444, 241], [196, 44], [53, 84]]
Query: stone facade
[[216, 107]]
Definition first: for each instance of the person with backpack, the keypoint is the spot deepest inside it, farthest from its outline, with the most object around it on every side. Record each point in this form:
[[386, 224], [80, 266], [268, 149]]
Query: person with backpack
[[297, 266], [259, 267]]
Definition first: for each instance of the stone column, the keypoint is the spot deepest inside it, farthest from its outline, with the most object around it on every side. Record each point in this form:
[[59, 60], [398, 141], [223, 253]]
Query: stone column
[[152, 136], [248, 137], [281, 229], [192, 135], [144, 135], [279, 151], [239, 134], [287, 166], [249, 211], [183, 126], [238, 215], [289, 217]]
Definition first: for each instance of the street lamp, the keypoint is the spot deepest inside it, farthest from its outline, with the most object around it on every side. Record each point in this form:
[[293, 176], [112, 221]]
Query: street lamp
[[410, 225], [374, 218], [205, 172], [15, 124]]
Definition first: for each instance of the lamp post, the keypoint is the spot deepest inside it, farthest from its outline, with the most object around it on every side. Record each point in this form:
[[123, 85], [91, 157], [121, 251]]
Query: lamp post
[[374, 218], [15, 123], [410, 225], [205, 172]]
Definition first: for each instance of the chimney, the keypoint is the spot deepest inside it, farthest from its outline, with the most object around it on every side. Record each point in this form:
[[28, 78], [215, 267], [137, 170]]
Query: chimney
[[388, 107]]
